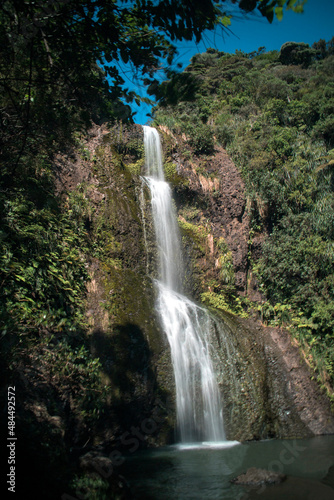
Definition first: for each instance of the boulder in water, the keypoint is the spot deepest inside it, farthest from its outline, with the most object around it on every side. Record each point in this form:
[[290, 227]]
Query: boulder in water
[[257, 477]]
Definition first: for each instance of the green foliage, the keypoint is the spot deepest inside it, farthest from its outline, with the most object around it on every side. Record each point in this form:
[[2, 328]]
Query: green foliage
[[42, 269], [274, 114], [197, 233], [325, 128], [135, 168], [170, 170], [47, 94], [201, 139], [296, 53], [295, 268], [61, 69], [75, 373], [171, 173], [225, 262], [92, 486], [217, 299]]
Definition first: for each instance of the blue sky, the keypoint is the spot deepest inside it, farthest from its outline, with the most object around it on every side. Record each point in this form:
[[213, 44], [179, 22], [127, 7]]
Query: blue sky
[[249, 34]]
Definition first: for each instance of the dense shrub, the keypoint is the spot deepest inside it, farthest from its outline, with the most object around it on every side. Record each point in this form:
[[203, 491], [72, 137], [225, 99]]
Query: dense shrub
[[274, 114]]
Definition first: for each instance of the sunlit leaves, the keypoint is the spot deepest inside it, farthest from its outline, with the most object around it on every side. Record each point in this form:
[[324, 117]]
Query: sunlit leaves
[[224, 20], [279, 13], [43, 275], [296, 5], [269, 8]]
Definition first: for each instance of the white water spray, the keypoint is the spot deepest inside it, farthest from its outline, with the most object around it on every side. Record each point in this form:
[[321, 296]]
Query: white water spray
[[187, 326]]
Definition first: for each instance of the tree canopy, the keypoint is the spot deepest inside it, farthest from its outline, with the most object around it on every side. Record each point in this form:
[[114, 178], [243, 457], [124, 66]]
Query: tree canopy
[[60, 69], [61, 60]]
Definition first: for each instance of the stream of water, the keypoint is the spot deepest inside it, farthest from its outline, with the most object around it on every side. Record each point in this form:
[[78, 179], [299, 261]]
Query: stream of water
[[187, 326]]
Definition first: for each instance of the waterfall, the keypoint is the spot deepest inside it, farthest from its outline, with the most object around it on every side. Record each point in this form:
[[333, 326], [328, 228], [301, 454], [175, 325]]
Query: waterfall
[[186, 325]]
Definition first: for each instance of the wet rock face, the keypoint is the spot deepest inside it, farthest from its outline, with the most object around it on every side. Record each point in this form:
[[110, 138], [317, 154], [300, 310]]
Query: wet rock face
[[124, 332], [266, 388], [215, 186]]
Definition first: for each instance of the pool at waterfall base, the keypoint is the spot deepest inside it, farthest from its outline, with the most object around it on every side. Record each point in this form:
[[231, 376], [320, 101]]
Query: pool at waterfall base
[[204, 470]]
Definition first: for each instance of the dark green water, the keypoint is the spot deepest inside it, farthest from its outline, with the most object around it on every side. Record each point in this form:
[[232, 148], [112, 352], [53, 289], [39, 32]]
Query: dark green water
[[204, 473]]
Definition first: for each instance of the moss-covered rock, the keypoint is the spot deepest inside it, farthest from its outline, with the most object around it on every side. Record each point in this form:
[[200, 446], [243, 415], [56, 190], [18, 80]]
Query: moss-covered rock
[[125, 333]]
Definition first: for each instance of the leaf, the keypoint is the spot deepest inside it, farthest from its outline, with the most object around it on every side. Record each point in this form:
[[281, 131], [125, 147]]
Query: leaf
[[296, 5], [225, 21], [279, 13], [21, 278]]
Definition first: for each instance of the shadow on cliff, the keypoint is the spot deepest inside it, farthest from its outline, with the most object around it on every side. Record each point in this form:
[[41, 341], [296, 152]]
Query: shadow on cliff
[[127, 364]]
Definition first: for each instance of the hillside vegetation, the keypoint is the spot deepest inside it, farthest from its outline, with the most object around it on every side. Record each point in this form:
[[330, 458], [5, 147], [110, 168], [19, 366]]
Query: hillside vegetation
[[78, 334], [273, 112]]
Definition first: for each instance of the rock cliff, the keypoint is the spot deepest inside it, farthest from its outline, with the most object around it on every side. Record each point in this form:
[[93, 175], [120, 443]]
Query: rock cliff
[[267, 386]]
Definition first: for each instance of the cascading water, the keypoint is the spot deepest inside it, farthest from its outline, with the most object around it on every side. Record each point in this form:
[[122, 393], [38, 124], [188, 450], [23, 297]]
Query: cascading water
[[187, 326]]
